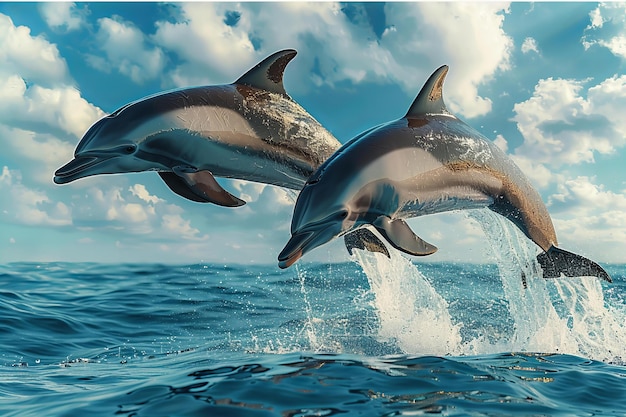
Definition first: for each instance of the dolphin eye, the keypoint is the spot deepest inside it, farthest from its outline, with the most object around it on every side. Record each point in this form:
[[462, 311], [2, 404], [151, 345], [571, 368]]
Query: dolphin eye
[[343, 214], [130, 149]]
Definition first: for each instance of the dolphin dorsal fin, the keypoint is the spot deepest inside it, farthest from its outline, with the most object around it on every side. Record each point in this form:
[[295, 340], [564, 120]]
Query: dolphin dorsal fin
[[268, 74], [430, 98]]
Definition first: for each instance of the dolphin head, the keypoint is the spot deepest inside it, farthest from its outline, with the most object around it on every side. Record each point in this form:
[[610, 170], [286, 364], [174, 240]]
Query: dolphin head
[[324, 210], [114, 144]]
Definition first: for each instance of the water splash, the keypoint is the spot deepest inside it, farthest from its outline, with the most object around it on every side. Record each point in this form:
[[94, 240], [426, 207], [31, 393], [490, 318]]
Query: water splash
[[411, 313], [568, 315], [310, 322]]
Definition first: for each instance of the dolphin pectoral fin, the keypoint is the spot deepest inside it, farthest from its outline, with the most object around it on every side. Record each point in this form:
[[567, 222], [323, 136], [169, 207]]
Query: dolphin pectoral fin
[[180, 187], [400, 236], [557, 261], [365, 240], [268, 74], [202, 186]]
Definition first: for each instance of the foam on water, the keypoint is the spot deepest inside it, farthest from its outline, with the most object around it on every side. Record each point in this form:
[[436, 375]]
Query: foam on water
[[567, 315]]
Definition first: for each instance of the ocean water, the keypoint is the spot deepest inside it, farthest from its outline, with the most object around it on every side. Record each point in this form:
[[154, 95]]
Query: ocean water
[[370, 337]]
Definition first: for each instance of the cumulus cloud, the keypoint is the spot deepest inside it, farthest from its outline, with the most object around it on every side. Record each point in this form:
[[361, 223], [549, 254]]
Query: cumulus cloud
[[209, 49], [562, 127], [530, 45], [42, 109], [586, 212], [39, 155], [32, 57], [473, 43], [41, 113], [607, 28], [175, 225], [23, 205], [127, 50], [133, 212], [267, 207], [581, 195], [42, 116], [501, 143], [63, 16], [139, 190], [338, 48]]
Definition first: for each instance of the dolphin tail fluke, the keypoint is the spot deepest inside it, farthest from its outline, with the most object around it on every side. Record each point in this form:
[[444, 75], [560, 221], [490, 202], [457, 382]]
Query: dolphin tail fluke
[[556, 262], [364, 239]]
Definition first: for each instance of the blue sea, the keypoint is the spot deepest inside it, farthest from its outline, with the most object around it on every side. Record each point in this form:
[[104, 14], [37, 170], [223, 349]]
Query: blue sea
[[369, 337]]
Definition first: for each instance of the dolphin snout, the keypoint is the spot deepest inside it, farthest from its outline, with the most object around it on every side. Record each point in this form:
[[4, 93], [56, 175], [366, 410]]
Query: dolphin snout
[[68, 172], [80, 167], [294, 249], [303, 242]]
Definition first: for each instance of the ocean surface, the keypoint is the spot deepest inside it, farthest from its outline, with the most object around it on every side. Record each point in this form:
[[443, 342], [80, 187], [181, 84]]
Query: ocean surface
[[369, 337]]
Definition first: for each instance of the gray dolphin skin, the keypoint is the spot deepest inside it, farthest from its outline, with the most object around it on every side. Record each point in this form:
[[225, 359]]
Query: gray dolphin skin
[[427, 162], [250, 130]]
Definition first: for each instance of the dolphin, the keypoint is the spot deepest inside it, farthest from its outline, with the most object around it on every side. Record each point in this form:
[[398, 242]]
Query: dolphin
[[429, 161], [250, 130]]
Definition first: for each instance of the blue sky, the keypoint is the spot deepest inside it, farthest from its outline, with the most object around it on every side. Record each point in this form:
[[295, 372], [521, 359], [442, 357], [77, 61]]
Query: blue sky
[[545, 81]]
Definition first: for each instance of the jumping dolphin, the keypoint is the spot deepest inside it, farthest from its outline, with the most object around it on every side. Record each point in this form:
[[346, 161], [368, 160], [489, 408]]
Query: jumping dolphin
[[250, 130], [427, 162]]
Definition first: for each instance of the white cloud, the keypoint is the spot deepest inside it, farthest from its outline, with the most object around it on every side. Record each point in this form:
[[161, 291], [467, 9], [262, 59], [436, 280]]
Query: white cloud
[[335, 49], [530, 45], [23, 205], [268, 207], [131, 212], [175, 225], [208, 47], [139, 190], [580, 196], [32, 57], [476, 26], [40, 109], [127, 50], [538, 174], [607, 28], [63, 15], [561, 127], [41, 118], [586, 212], [501, 143], [39, 155], [596, 18]]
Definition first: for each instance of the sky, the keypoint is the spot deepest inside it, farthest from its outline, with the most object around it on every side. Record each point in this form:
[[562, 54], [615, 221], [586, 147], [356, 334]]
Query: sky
[[545, 81]]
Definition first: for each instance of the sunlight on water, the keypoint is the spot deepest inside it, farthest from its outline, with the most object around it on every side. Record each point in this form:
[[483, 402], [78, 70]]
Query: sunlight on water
[[568, 315]]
